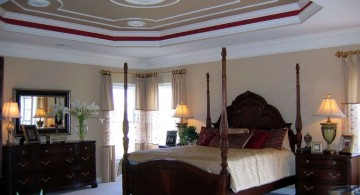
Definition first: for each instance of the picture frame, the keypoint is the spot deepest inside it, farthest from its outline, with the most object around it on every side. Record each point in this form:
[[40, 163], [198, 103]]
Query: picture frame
[[346, 144], [31, 134], [316, 147], [171, 138]]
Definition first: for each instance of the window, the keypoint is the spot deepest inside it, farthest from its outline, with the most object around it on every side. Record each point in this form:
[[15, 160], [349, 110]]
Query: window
[[166, 123], [117, 117]]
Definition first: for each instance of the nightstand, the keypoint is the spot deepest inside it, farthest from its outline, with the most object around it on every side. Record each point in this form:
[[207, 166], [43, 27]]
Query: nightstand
[[317, 173]]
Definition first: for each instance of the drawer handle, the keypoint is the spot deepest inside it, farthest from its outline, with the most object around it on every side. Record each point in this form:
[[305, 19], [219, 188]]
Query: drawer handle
[[46, 151], [23, 182], [308, 188], [85, 174], [308, 174], [307, 161], [335, 176], [23, 152], [334, 162], [85, 147], [85, 158], [45, 163], [46, 180], [70, 149], [70, 176], [23, 164], [69, 160]]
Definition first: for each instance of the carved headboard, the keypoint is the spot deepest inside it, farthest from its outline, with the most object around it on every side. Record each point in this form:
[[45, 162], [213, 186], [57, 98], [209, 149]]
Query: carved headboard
[[250, 110]]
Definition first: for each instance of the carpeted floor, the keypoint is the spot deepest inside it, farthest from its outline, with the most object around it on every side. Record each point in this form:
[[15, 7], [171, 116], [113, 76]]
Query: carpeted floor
[[114, 188]]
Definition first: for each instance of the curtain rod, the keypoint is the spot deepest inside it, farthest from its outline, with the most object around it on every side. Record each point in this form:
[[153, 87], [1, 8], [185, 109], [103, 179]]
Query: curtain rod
[[344, 54], [182, 71]]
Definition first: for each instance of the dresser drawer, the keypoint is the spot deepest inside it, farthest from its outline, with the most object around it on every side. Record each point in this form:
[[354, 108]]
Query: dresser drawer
[[309, 188], [55, 162], [70, 149], [321, 162], [86, 159], [321, 175], [23, 152], [24, 181], [87, 174], [86, 148], [23, 164], [53, 179]]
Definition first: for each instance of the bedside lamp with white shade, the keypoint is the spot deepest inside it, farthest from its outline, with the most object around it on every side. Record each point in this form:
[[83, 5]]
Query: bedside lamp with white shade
[[182, 112], [329, 108], [10, 110]]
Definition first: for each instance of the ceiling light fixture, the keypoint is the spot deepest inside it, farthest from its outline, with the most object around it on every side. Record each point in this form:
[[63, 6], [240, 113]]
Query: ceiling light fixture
[[136, 23], [144, 2], [38, 3]]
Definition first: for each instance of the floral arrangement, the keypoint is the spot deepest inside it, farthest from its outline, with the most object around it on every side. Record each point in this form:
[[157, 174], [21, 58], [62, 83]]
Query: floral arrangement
[[59, 112], [81, 111]]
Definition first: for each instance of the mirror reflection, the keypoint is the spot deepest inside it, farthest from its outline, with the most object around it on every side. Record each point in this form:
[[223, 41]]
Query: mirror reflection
[[43, 108]]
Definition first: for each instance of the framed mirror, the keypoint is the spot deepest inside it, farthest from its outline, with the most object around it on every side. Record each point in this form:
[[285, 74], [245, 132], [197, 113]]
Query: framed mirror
[[37, 107]]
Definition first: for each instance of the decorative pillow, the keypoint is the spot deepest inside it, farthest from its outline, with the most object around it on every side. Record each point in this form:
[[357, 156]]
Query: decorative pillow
[[275, 139], [206, 130], [286, 142], [257, 140], [234, 140], [238, 130], [206, 137]]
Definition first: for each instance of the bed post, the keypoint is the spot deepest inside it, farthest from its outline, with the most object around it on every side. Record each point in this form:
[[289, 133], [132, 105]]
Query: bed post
[[208, 118], [298, 122], [224, 129], [125, 161]]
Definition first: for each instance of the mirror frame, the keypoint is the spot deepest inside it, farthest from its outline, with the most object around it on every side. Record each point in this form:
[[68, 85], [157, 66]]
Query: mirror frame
[[18, 92]]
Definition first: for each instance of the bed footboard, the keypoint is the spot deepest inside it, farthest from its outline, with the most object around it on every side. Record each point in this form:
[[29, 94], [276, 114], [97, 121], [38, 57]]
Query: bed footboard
[[171, 177]]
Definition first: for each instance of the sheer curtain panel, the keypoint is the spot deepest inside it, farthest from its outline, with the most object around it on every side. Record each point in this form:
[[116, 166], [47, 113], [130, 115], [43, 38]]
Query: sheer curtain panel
[[146, 114], [107, 105], [350, 67]]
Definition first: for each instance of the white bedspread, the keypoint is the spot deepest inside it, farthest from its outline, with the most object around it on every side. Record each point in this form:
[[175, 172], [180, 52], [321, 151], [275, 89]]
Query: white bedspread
[[248, 167]]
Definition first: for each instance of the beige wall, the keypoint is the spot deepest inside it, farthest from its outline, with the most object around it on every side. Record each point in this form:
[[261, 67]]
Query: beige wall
[[272, 77]]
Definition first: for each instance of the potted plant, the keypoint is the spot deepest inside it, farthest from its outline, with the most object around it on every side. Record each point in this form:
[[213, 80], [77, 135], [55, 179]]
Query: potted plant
[[189, 135]]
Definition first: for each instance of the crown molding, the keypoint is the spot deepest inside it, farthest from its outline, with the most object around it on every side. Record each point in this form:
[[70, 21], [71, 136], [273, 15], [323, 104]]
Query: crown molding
[[293, 44], [67, 55]]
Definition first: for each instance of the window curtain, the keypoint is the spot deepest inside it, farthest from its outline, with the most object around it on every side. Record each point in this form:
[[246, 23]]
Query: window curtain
[[146, 113], [350, 67], [178, 85], [107, 105]]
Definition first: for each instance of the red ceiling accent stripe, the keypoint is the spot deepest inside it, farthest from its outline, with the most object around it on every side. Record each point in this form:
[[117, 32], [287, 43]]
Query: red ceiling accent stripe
[[160, 38]]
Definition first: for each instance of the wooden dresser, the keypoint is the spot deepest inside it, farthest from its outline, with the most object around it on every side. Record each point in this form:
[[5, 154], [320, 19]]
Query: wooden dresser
[[316, 173], [50, 167]]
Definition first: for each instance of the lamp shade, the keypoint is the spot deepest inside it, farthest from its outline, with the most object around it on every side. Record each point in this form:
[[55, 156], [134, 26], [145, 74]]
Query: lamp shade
[[329, 108], [182, 111], [10, 110], [40, 113]]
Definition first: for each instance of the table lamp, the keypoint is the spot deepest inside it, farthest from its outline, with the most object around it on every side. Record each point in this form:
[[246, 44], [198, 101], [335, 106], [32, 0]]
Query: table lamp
[[329, 108], [40, 113], [10, 110], [182, 112]]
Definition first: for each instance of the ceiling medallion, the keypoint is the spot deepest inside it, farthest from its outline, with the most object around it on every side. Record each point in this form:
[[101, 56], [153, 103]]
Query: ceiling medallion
[[38, 3], [144, 2], [136, 23]]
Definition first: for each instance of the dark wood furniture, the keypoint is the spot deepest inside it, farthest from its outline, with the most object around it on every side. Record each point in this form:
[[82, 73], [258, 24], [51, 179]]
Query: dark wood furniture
[[317, 173], [50, 167], [173, 177]]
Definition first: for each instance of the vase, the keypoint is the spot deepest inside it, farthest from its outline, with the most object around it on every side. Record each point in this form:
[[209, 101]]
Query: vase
[[81, 130]]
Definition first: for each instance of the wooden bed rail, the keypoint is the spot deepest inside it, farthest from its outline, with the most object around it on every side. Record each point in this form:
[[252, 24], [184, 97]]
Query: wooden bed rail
[[208, 118]]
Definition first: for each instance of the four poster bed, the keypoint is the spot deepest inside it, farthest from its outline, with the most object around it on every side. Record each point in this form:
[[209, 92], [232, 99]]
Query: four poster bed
[[200, 169]]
